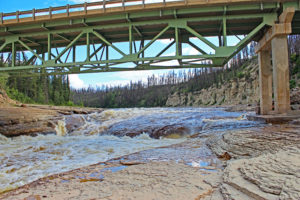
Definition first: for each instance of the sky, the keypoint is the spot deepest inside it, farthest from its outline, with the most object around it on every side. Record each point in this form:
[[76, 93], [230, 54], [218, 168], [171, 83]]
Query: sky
[[78, 81]]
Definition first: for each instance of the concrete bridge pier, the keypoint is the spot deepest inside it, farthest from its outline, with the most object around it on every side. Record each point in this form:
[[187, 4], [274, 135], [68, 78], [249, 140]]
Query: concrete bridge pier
[[275, 43], [265, 81], [280, 60]]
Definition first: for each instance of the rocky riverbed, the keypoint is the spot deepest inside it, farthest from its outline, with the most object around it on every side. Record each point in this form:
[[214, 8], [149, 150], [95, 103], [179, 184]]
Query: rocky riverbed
[[32, 119], [212, 154], [251, 163]]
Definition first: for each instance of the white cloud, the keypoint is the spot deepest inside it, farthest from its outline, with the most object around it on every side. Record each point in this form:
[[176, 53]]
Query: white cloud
[[169, 63], [190, 51], [166, 41], [76, 82]]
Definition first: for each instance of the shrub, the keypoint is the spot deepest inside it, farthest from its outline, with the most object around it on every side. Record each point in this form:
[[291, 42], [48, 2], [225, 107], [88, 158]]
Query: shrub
[[292, 83]]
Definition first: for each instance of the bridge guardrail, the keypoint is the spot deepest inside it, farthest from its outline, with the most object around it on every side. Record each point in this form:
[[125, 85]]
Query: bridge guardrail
[[75, 8]]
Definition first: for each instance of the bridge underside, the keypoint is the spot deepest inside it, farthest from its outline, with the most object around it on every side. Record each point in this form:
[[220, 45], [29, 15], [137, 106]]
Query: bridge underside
[[113, 42], [123, 38]]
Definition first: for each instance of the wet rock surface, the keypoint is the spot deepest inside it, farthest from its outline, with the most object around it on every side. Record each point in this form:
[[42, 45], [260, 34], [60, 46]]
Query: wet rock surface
[[16, 121], [153, 132], [249, 163], [265, 163], [34, 119], [73, 122], [136, 176]]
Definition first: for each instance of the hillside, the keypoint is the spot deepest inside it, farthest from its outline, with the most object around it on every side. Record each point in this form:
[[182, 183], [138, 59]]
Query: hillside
[[244, 89], [5, 101]]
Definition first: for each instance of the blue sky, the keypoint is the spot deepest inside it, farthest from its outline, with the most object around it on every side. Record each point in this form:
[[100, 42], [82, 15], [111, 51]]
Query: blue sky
[[108, 78]]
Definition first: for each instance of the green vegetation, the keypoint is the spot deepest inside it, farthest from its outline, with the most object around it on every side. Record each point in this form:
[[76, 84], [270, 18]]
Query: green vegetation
[[40, 89], [55, 90], [157, 89], [295, 71], [155, 92]]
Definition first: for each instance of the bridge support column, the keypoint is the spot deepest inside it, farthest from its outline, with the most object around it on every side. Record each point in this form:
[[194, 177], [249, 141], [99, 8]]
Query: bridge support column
[[280, 59], [276, 39], [265, 81]]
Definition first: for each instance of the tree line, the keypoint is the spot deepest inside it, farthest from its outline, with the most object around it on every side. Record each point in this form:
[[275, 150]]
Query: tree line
[[154, 92], [40, 88]]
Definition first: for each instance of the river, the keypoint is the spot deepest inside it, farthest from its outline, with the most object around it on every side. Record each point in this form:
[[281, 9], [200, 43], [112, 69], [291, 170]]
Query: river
[[107, 135]]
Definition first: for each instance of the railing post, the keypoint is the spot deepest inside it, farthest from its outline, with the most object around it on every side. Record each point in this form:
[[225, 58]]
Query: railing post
[[85, 8], [33, 14], [123, 4], [17, 15], [1, 16], [68, 10], [50, 12], [143, 3], [104, 2]]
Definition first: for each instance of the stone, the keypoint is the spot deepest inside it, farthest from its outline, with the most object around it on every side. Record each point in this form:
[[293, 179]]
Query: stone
[[265, 163], [234, 92], [73, 122]]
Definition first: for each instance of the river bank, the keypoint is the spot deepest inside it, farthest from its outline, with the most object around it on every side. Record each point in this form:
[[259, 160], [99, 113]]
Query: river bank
[[17, 120]]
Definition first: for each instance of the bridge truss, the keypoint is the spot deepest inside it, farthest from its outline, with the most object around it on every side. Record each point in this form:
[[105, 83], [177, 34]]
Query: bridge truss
[[51, 39]]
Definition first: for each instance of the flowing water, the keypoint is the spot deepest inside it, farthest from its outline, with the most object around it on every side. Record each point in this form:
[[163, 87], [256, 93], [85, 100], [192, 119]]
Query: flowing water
[[104, 136]]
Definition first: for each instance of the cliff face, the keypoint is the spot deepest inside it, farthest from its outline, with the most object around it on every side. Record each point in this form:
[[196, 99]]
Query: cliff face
[[244, 90], [5, 101]]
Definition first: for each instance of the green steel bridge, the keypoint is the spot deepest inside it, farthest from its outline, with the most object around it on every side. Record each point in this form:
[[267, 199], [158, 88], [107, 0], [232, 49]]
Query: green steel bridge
[[51, 35]]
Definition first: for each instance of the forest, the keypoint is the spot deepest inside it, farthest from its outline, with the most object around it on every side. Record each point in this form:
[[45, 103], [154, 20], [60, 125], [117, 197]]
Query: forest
[[155, 92], [55, 89], [41, 89]]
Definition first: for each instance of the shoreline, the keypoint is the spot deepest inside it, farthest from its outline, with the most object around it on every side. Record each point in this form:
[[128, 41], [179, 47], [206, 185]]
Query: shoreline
[[232, 164], [29, 119]]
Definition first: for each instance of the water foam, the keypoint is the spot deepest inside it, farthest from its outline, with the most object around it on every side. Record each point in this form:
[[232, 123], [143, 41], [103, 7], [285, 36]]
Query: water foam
[[60, 128], [25, 159]]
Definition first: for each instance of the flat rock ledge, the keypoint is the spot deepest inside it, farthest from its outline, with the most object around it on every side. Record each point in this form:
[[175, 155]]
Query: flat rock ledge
[[39, 119], [264, 165], [153, 180]]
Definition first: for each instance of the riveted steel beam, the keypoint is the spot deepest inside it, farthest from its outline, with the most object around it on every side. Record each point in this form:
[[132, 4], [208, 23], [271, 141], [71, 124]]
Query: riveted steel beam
[[29, 49], [70, 45], [108, 43], [153, 40]]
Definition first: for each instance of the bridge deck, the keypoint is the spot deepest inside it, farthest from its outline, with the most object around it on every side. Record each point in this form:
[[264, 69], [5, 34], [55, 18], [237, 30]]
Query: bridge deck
[[246, 15], [102, 8]]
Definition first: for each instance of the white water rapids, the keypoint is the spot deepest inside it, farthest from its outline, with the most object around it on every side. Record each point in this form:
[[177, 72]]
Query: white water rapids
[[25, 159]]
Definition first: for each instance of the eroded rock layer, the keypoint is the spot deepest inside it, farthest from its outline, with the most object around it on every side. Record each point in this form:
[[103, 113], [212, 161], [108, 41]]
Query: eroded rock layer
[[264, 163]]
